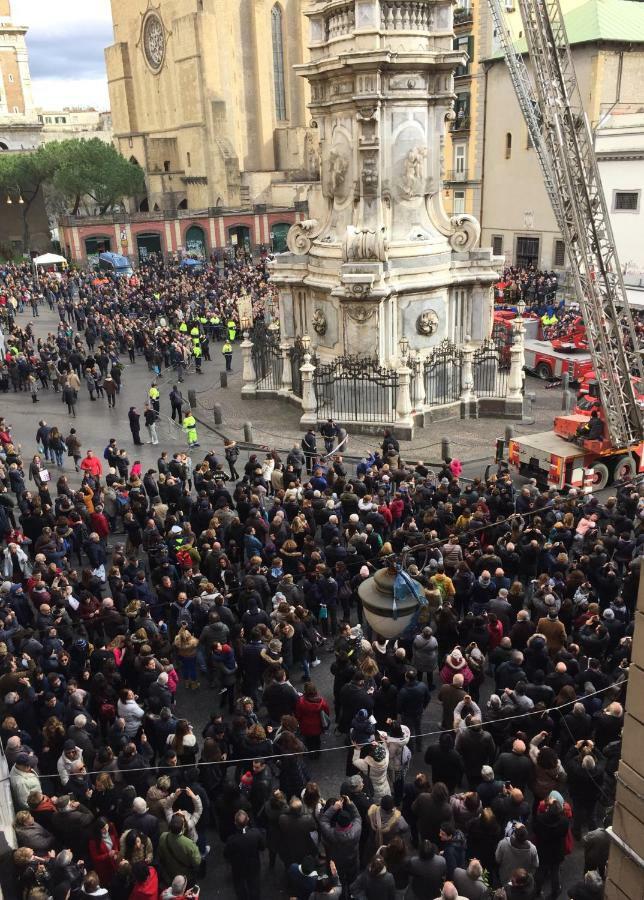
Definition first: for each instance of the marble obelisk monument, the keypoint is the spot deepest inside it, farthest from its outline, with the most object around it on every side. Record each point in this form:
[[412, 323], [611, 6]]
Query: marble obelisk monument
[[382, 259]]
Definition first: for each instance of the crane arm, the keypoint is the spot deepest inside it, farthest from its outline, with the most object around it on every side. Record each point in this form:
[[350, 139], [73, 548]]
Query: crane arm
[[580, 209]]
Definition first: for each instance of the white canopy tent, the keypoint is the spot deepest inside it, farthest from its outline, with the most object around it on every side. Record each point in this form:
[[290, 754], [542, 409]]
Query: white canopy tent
[[49, 259]]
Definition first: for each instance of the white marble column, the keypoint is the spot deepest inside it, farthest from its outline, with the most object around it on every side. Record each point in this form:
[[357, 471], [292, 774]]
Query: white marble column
[[287, 377], [248, 369], [309, 404], [403, 397]]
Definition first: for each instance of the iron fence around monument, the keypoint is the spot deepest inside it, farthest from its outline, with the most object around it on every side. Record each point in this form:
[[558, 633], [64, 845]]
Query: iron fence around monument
[[267, 358], [442, 374], [296, 359], [489, 370], [355, 389]]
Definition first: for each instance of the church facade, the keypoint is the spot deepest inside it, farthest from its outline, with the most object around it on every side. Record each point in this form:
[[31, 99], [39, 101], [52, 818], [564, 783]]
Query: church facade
[[205, 98]]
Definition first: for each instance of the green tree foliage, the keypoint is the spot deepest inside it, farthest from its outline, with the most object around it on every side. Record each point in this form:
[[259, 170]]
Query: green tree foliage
[[22, 175], [95, 169], [75, 169]]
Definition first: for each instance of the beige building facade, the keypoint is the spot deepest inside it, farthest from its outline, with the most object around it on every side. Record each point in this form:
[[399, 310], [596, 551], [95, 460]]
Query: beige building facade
[[204, 97], [608, 54]]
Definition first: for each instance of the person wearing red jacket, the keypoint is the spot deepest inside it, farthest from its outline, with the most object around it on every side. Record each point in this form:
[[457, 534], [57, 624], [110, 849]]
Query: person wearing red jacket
[[99, 523], [92, 465], [308, 711], [146, 882], [104, 851]]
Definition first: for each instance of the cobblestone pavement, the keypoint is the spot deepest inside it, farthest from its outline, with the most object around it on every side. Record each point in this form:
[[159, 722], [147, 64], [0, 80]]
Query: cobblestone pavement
[[275, 423]]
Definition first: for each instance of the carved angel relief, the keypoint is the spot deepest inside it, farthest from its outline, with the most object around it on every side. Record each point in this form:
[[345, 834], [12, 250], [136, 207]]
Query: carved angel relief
[[412, 180]]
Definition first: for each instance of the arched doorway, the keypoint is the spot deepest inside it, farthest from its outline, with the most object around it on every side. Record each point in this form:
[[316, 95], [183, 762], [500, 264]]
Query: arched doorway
[[239, 237], [148, 244], [278, 237], [97, 243], [195, 241]]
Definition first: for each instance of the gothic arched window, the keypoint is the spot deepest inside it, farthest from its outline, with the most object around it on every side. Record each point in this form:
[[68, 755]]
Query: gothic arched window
[[278, 62]]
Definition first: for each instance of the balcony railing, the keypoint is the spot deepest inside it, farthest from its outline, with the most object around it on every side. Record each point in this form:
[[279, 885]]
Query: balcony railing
[[463, 15], [460, 123], [455, 176]]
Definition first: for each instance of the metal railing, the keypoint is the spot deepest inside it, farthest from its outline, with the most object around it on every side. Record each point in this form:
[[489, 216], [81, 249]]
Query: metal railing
[[460, 123], [456, 175]]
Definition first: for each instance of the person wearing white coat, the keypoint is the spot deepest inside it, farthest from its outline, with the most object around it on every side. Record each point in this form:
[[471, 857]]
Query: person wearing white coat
[[11, 553], [129, 710], [374, 765]]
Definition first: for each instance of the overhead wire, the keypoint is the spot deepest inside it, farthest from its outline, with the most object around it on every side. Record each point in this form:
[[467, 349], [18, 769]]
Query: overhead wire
[[343, 747]]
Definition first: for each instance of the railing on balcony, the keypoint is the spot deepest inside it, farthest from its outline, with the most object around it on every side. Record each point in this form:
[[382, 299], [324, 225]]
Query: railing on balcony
[[463, 15], [460, 123], [405, 15], [456, 175], [341, 21]]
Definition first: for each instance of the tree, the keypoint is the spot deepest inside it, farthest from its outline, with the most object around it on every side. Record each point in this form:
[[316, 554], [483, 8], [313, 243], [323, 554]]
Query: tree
[[95, 169], [24, 174]]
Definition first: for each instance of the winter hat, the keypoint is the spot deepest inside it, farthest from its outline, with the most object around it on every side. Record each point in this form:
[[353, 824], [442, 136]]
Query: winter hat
[[378, 753], [609, 615], [555, 795], [455, 660]]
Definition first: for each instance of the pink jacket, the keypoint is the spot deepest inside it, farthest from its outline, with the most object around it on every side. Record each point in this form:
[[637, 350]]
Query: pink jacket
[[173, 681]]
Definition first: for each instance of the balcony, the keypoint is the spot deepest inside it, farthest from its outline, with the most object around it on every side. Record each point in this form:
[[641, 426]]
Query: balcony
[[460, 124], [463, 15], [454, 177]]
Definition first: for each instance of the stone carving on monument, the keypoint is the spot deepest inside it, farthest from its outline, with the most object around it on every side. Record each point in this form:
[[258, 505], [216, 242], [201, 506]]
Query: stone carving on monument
[[364, 244], [319, 322], [427, 323]]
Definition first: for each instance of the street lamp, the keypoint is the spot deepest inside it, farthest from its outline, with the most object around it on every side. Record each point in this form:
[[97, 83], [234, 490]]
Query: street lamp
[[245, 323], [403, 343], [306, 343], [520, 307]]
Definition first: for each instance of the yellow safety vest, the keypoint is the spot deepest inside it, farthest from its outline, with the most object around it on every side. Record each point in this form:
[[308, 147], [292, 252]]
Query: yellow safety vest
[[183, 327], [227, 348], [153, 393], [196, 350]]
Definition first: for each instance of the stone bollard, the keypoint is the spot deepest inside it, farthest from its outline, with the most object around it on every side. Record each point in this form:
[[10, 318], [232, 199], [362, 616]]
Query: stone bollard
[[248, 432], [192, 399], [217, 413], [568, 401], [445, 449], [223, 379]]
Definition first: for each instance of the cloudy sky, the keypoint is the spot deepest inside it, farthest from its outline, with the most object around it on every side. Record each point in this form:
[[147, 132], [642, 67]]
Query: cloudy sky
[[66, 40]]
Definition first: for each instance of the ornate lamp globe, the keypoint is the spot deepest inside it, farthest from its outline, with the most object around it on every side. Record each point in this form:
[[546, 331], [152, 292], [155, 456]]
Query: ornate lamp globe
[[387, 617]]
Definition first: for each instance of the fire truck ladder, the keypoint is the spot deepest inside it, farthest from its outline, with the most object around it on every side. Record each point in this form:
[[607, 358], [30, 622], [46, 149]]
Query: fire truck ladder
[[580, 210]]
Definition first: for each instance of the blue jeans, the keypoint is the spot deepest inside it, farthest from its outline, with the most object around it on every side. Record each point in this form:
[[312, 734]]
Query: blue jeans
[[189, 668]]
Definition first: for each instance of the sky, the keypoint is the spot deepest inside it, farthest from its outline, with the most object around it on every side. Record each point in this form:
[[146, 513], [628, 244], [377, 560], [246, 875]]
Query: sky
[[66, 40]]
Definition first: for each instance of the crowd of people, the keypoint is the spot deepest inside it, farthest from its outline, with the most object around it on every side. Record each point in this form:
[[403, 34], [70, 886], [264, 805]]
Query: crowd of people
[[126, 596]]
